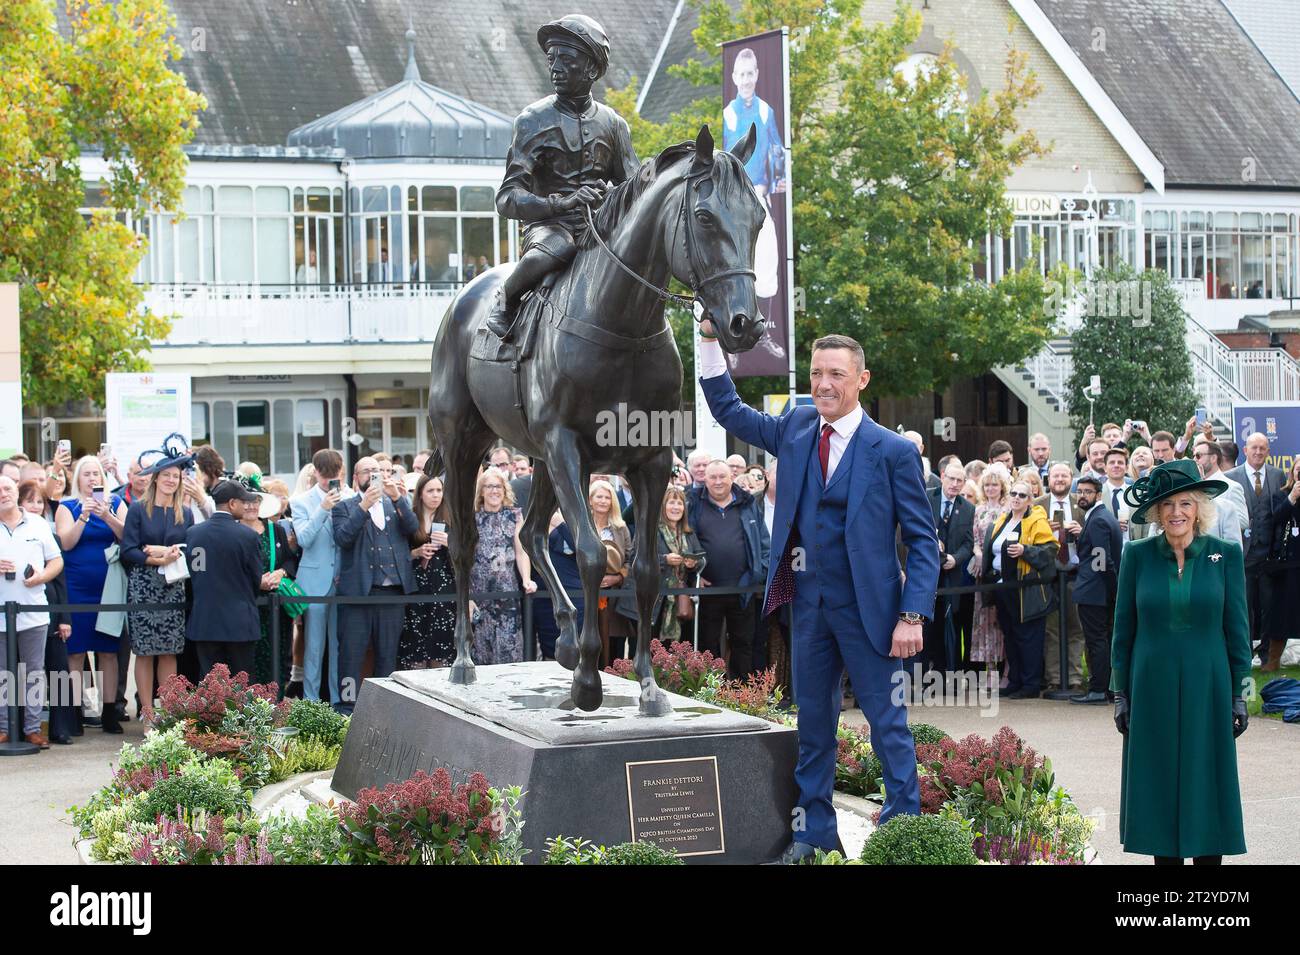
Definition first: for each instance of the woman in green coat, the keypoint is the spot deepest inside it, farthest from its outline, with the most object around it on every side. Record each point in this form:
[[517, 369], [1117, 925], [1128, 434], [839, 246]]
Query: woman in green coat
[[1180, 660]]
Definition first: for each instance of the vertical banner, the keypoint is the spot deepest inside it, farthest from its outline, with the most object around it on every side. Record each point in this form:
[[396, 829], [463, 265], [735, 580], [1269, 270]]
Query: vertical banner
[[1279, 421], [140, 410], [11, 397], [755, 92]]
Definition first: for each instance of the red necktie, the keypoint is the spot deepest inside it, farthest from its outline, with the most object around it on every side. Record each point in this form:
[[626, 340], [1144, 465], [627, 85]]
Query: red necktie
[[824, 450]]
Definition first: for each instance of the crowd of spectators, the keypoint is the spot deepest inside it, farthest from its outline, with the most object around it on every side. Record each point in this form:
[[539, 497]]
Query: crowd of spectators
[[197, 544]]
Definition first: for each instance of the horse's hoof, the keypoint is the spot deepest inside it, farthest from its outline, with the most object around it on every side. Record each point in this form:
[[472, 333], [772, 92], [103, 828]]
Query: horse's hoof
[[566, 654], [462, 674], [654, 702], [587, 692]]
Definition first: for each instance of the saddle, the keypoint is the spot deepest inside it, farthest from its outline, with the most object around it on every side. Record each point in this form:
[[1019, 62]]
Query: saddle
[[487, 347]]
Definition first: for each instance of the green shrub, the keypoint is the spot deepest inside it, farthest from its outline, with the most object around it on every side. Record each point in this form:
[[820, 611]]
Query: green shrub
[[920, 840], [318, 721], [316, 839], [564, 851], [201, 785], [160, 748], [926, 735], [304, 755], [639, 853]]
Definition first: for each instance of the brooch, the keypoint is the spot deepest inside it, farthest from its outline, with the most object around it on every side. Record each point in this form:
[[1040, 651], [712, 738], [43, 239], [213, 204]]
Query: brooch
[[1214, 558]]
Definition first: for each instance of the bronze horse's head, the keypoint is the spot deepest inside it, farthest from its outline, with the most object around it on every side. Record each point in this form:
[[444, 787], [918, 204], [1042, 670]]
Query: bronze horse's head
[[714, 254]]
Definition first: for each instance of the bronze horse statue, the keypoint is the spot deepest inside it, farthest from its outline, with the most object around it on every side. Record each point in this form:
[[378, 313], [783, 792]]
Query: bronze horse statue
[[598, 340]]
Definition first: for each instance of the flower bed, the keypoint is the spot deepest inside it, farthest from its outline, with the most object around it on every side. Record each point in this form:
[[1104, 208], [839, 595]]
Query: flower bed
[[184, 795]]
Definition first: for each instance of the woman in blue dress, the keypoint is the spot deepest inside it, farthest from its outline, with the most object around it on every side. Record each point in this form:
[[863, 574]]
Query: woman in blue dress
[[87, 523]]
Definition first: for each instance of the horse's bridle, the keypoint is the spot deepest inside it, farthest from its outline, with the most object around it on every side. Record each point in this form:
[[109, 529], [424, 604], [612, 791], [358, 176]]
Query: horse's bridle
[[685, 301]]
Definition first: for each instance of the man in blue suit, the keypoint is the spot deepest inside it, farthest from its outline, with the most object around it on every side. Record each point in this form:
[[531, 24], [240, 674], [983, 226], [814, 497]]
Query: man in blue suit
[[847, 485], [318, 570]]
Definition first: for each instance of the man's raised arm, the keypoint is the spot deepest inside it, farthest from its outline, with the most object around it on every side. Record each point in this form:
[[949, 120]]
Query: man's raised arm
[[752, 427]]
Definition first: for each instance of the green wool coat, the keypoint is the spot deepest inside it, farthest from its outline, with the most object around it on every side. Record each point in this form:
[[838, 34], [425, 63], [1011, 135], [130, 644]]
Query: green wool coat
[[1181, 651]]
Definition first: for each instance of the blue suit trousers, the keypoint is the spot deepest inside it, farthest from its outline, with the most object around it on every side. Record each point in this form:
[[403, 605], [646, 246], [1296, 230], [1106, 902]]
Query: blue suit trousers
[[825, 641]]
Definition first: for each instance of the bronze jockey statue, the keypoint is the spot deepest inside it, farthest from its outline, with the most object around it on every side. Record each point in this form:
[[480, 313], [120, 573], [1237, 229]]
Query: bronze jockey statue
[[568, 151]]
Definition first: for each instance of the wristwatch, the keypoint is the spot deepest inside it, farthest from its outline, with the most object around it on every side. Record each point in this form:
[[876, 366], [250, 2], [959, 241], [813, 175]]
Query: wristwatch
[[912, 617]]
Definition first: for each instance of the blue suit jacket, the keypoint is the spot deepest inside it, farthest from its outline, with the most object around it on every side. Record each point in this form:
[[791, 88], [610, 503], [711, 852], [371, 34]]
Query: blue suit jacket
[[887, 492], [314, 529], [356, 534], [1097, 580]]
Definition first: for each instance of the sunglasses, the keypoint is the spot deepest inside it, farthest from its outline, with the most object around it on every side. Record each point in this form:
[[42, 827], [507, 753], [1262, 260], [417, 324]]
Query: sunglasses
[[1018, 494]]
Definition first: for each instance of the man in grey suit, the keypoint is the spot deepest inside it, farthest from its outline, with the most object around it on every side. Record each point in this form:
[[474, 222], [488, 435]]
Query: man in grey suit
[[1100, 543], [318, 570], [1231, 516], [373, 530], [1065, 518], [1259, 479]]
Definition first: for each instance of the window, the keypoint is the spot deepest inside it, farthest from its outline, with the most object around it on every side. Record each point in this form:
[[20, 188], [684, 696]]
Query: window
[[284, 437], [252, 434], [1234, 254], [200, 432], [311, 433]]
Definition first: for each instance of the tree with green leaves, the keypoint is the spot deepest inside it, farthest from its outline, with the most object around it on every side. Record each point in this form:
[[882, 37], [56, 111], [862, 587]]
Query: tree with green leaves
[[897, 180], [1134, 337], [106, 87]]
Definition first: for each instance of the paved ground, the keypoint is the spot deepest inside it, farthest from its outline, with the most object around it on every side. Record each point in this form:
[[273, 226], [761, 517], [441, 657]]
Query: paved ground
[[1081, 741], [1085, 751]]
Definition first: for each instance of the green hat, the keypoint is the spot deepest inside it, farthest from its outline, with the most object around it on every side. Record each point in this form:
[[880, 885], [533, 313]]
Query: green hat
[[1170, 478]]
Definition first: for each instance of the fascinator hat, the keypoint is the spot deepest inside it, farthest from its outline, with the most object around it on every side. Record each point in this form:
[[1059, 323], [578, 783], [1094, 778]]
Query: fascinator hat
[[174, 453], [269, 505], [1170, 478]]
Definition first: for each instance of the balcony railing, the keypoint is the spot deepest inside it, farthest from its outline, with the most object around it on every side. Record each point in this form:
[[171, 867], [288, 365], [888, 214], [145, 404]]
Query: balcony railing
[[300, 314]]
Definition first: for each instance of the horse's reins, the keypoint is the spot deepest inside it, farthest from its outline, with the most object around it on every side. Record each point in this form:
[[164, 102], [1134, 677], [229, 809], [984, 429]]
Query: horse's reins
[[685, 301]]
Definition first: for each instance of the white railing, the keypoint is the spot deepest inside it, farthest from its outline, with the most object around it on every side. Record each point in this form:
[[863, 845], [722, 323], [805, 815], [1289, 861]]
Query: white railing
[[1051, 369], [286, 314]]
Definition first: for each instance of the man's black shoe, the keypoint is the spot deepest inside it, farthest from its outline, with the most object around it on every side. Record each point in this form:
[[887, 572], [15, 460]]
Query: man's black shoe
[[1090, 698], [1025, 694], [798, 853]]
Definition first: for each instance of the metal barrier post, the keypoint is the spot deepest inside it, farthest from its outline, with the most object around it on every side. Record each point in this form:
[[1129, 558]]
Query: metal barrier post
[[13, 688]]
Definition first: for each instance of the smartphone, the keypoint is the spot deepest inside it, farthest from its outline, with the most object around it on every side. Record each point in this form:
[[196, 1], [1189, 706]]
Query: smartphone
[[97, 492], [105, 450], [65, 446], [334, 484], [1202, 416], [376, 480]]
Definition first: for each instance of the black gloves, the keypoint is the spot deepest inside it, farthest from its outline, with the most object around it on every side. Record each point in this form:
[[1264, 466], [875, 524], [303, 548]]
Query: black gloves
[[1121, 713], [1239, 718]]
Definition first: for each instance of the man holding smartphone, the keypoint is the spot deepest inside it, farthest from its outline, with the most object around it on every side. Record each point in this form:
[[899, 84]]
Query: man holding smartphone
[[373, 530], [313, 526]]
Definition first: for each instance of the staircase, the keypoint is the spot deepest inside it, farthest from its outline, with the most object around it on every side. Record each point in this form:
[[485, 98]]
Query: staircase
[[1222, 377]]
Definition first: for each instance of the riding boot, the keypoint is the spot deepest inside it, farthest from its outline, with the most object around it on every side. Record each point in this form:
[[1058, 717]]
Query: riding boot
[[111, 723], [501, 318]]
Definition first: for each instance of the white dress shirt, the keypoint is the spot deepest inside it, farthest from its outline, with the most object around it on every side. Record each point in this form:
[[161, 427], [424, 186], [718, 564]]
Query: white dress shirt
[[1059, 509], [713, 362], [769, 512]]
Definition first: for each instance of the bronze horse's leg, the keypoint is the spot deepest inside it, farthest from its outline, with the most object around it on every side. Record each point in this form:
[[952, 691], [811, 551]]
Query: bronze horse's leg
[[467, 451], [568, 470], [536, 531], [648, 483]]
